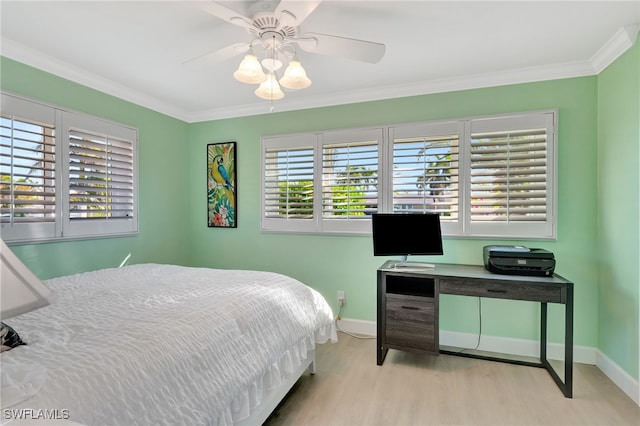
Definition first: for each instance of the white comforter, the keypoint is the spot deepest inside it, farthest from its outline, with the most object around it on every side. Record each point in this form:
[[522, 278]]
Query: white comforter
[[161, 344]]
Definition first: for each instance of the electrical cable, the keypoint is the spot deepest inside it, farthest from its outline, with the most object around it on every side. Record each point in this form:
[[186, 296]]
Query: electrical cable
[[348, 333], [364, 336], [479, 328]]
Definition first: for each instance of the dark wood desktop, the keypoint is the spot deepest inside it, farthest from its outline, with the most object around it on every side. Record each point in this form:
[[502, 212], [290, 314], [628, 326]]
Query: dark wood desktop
[[408, 308]]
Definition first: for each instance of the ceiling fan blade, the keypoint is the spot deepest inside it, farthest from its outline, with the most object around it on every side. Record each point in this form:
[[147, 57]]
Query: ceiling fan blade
[[223, 12], [292, 12], [220, 54], [350, 48]]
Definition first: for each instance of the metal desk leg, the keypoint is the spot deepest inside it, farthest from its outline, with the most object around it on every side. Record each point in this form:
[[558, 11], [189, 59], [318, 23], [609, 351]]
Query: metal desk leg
[[567, 386], [543, 332], [568, 343]]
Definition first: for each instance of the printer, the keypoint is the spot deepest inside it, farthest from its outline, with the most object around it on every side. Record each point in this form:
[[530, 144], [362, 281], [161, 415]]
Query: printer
[[519, 260]]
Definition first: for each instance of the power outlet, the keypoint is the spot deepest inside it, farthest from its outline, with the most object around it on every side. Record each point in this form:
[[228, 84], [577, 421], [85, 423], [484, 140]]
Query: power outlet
[[341, 299]]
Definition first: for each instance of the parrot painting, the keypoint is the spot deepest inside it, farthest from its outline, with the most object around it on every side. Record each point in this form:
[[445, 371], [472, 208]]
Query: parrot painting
[[219, 173], [221, 192]]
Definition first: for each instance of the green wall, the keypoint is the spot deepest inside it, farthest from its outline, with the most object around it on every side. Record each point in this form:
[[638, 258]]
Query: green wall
[[618, 210], [173, 225], [331, 263], [162, 167]]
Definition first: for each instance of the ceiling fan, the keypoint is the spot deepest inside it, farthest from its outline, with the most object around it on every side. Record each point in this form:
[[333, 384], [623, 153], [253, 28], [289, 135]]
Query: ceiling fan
[[274, 27]]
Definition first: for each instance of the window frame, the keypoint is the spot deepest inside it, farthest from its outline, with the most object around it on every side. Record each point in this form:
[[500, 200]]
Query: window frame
[[63, 227], [535, 230], [351, 224], [464, 227], [422, 129]]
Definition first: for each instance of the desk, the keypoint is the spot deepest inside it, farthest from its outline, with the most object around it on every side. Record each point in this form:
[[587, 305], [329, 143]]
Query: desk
[[408, 308]]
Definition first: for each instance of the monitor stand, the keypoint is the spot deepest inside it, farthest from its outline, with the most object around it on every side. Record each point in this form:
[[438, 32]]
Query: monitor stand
[[403, 264]]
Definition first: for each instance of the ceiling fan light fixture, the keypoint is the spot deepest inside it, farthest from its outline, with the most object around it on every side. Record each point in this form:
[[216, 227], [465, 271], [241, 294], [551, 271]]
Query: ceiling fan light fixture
[[271, 64], [295, 76], [270, 89], [249, 71]]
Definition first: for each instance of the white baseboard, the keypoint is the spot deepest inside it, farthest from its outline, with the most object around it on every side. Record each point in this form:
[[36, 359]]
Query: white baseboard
[[519, 347], [368, 328], [621, 378]]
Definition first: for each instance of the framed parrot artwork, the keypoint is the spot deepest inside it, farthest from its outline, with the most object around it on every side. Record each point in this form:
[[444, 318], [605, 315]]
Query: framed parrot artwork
[[222, 211]]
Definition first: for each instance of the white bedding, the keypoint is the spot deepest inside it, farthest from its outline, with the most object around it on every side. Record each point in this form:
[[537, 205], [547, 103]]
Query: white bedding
[[162, 344]]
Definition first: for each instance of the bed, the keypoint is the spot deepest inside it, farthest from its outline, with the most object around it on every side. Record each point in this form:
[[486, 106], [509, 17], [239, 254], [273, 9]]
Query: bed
[[164, 344]]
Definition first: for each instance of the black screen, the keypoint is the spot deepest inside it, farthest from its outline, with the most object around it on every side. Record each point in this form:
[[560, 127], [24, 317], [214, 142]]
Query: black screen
[[404, 234]]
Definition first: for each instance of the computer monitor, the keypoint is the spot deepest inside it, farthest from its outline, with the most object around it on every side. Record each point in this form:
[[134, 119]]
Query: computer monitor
[[404, 234]]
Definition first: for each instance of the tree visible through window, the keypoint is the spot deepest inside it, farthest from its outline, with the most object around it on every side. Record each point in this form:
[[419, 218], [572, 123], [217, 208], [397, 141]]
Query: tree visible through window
[[349, 180], [27, 170], [64, 174], [486, 177]]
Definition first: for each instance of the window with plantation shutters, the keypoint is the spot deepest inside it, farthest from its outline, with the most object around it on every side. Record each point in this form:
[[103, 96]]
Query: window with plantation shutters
[[508, 176], [426, 175], [100, 193], [30, 204], [511, 183], [27, 171], [64, 174], [320, 182], [288, 183], [348, 180], [349, 177], [100, 176], [486, 177]]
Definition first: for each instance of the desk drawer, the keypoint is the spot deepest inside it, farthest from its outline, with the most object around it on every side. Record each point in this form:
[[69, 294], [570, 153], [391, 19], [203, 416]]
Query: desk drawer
[[402, 307], [411, 335], [410, 321], [541, 292]]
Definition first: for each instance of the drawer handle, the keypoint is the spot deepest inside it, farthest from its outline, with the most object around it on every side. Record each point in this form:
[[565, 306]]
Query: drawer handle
[[411, 308], [496, 291]]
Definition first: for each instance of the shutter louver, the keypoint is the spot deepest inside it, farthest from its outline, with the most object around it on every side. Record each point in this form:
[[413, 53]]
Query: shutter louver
[[27, 171], [288, 183], [100, 176], [509, 176], [349, 180], [426, 175]]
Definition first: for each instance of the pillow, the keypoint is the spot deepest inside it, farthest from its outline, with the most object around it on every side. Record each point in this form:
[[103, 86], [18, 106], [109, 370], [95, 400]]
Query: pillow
[[10, 338]]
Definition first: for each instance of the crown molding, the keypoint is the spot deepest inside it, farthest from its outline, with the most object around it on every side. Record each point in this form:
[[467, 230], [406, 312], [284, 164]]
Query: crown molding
[[36, 59], [619, 43], [452, 84]]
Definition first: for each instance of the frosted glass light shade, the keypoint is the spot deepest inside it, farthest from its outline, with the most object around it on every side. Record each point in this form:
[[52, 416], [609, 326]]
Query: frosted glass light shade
[[269, 89], [250, 71], [271, 64], [295, 77]]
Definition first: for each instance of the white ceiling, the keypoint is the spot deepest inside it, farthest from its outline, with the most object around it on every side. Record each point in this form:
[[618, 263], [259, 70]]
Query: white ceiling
[[136, 49]]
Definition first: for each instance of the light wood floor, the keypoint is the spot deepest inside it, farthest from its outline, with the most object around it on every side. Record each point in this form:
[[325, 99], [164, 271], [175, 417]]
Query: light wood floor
[[416, 389]]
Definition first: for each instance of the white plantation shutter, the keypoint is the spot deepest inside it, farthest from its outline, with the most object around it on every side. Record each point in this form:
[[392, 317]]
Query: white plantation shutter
[[424, 171], [28, 199], [349, 180], [511, 175], [27, 188], [100, 190], [100, 176], [288, 183], [64, 174], [486, 177], [508, 176], [426, 175]]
